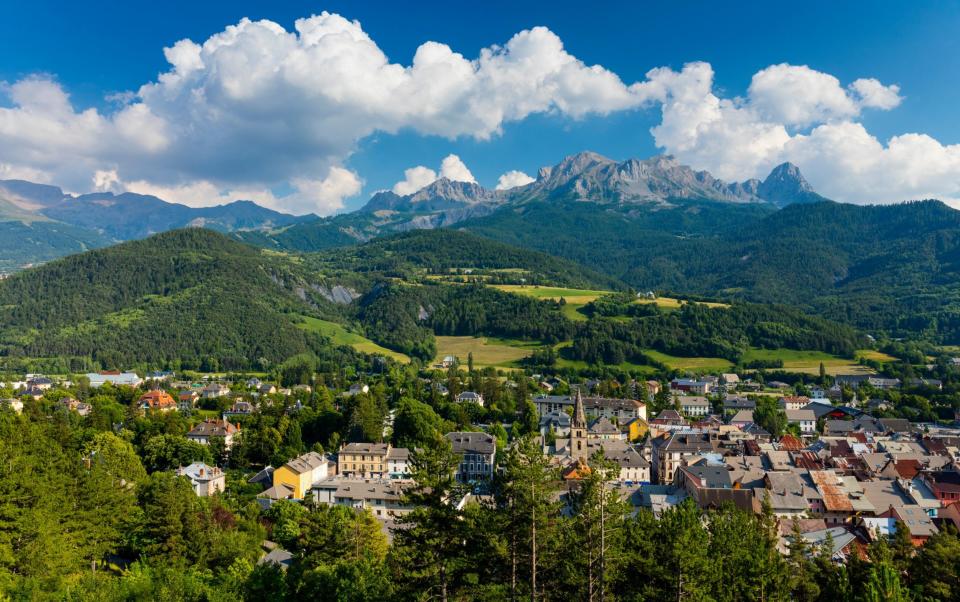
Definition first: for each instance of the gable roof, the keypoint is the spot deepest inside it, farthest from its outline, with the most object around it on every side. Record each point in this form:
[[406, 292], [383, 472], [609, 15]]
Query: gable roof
[[213, 428], [306, 463]]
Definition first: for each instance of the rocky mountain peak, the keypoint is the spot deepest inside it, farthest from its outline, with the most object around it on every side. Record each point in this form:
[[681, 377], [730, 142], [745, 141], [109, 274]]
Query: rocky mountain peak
[[786, 185]]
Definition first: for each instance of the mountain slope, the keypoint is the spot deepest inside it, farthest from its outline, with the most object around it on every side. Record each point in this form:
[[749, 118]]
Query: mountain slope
[[39, 222], [410, 255], [184, 296], [25, 243], [129, 216], [893, 268]]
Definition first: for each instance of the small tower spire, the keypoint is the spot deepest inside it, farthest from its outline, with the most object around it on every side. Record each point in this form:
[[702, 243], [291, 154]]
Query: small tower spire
[[578, 429], [579, 414]]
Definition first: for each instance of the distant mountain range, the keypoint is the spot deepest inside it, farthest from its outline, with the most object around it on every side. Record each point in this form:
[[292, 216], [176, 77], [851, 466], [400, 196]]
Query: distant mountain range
[[651, 225], [632, 187], [39, 222]]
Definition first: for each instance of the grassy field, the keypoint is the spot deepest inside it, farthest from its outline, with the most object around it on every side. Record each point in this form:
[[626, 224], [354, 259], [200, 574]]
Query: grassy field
[[711, 364], [877, 356], [808, 362], [576, 298], [341, 336], [671, 303], [486, 351]]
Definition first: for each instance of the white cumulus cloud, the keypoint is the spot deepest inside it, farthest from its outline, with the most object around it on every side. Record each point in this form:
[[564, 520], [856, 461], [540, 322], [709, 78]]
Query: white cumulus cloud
[[256, 105], [307, 195], [452, 168], [512, 179], [807, 117], [257, 108], [414, 179]]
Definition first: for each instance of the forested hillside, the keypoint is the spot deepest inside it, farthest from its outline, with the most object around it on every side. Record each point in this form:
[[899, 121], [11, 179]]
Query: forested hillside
[[887, 268], [445, 252], [191, 298], [26, 242]]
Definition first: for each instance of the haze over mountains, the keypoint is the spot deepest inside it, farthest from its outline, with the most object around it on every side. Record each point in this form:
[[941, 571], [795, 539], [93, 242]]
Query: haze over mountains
[[39, 222]]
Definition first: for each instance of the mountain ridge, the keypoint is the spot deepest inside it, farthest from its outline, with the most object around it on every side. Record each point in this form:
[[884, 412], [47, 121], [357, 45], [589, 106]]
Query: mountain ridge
[[631, 187]]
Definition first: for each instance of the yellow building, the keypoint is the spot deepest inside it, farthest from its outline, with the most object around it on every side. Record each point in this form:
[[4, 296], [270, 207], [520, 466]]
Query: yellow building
[[366, 460], [293, 479]]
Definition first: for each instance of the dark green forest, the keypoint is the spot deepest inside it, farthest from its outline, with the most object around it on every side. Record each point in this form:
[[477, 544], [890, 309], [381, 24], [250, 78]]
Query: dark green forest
[[184, 297], [884, 269]]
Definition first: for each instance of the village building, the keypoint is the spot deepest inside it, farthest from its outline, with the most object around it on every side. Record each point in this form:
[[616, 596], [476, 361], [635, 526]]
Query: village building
[[617, 410], [205, 480], [477, 452], [382, 497], [470, 397], [674, 450], [157, 400], [294, 479], [211, 429], [694, 405], [214, 391], [116, 378], [364, 460], [806, 420]]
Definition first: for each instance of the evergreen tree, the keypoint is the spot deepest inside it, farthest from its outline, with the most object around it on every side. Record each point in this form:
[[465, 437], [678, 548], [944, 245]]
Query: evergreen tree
[[524, 494], [428, 549]]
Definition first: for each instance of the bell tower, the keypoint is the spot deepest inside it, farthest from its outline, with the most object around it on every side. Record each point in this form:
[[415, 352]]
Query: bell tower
[[578, 429]]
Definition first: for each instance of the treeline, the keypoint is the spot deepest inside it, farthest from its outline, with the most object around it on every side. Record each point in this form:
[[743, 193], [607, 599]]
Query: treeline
[[699, 330]]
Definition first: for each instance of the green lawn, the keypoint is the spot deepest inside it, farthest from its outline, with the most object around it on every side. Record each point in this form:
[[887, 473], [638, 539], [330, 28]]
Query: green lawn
[[487, 351], [341, 336], [808, 362], [877, 356], [713, 364], [576, 298]]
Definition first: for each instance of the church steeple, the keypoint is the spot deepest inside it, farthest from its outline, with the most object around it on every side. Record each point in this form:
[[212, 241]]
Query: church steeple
[[579, 414], [578, 429]]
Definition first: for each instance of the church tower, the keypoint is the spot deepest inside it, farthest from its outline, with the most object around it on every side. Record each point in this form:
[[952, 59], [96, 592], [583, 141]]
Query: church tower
[[578, 429]]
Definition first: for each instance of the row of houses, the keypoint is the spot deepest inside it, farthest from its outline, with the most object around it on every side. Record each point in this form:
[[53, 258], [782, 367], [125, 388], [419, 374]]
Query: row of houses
[[371, 475]]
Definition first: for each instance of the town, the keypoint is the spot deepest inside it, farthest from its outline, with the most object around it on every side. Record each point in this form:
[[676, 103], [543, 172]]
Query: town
[[821, 460]]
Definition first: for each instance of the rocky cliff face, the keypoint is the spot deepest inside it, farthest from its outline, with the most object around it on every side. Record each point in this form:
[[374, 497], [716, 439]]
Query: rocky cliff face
[[592, 177], [786, 185]]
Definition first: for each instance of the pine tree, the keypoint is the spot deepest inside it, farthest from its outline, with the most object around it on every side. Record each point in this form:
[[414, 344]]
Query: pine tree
[[429, 548], [524, 494]]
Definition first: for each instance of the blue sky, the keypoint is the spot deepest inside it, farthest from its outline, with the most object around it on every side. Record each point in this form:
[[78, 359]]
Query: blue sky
[[95, 50]]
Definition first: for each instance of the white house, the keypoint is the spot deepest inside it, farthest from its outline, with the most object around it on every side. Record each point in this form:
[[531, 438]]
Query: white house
[[398, 462], [470, 397], [205, 480], [794, 402], [694, 405], [806, 419], [215, 390], [98, 379], [212, 428]]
